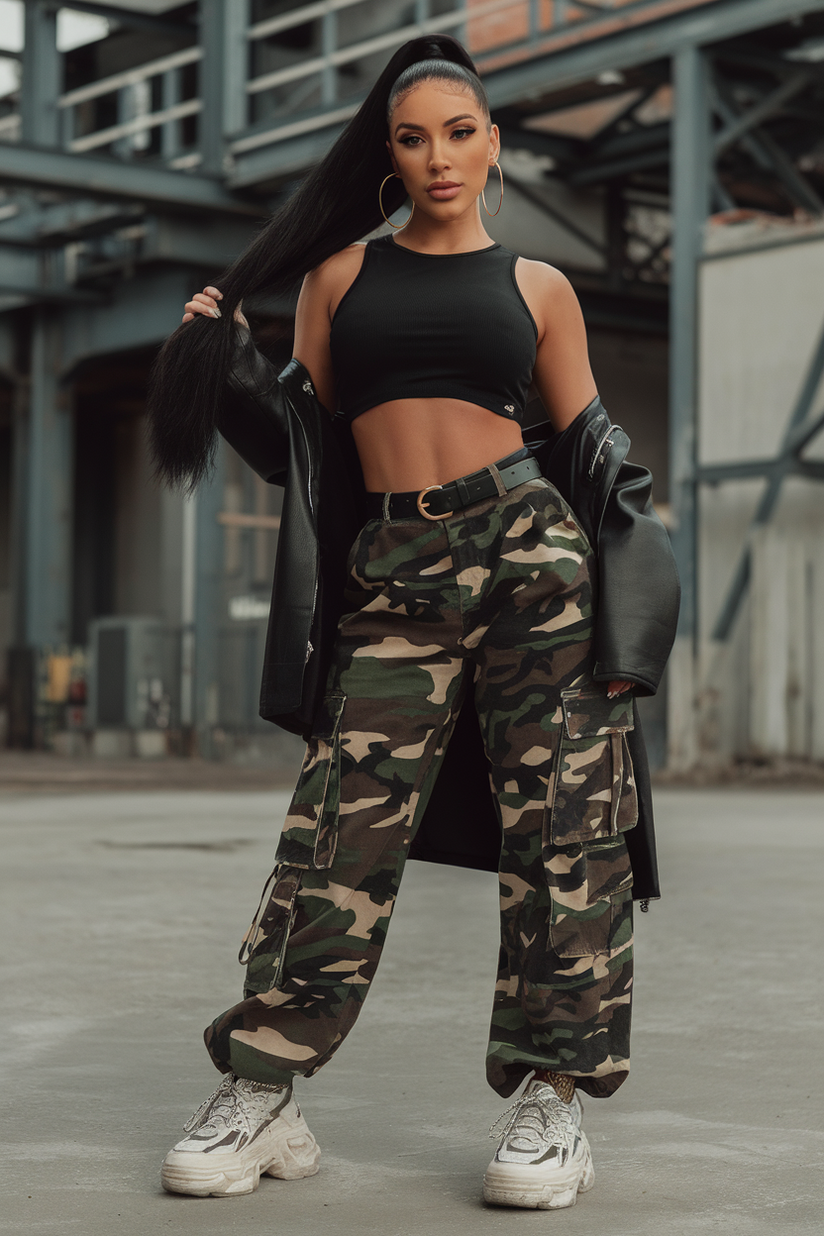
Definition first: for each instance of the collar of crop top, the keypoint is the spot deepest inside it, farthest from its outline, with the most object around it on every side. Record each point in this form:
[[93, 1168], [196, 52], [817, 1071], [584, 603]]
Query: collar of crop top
[[457, 253]]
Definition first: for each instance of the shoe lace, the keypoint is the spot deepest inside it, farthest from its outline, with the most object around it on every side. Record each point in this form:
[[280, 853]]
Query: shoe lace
[[222, 1103], [533, 1114]]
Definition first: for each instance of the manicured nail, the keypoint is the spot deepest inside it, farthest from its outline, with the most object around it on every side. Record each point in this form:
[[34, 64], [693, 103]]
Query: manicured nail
[[216, 312]]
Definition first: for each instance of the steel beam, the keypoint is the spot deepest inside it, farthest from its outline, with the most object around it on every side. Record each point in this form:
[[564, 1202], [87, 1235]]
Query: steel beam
[[37, 275], [137, 21], [42, 70], [636, 141], [768, 106], [18, 539], [750, 469], [764, 150], [208, 608], [113, 178], [209, 243], [513, 137], [690, 206], [44, 226], [598, 173], [798, 185], [563, 62], [284, 161], [140, 313], [614, 128], [223, 72], [623, 154]]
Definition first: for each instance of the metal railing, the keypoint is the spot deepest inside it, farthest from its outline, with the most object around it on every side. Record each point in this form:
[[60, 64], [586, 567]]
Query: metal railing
[[132, 92], [142, 112]]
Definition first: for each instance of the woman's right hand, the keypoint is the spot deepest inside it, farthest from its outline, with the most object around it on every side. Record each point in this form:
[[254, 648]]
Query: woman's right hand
[[205, 303]]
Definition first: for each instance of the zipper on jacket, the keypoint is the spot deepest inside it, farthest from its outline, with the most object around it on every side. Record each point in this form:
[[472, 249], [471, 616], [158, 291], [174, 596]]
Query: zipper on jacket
[[597, 456]]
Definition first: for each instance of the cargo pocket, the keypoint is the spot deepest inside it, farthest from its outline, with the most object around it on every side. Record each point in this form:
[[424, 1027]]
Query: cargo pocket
[[591, 894], [591, 792], [264, 946], [310, 834]]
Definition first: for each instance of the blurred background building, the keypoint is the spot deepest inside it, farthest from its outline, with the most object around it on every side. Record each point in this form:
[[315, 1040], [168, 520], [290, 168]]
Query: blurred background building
[[667, 155]]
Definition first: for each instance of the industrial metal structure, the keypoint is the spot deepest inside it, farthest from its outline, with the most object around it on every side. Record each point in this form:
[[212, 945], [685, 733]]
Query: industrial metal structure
[[134, 167]]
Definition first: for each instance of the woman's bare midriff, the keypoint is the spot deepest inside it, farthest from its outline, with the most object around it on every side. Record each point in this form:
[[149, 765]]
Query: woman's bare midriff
[[411, 443]]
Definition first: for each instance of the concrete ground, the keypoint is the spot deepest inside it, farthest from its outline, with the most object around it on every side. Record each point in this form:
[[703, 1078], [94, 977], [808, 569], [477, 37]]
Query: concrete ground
[[122, 914]]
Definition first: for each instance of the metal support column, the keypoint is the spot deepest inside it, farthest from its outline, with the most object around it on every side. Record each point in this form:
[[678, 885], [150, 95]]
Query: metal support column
[[208, 608], [691, 181], [21, 401], [329, 45], [41, 75], [223, 74], [48, 483], [20, 659]]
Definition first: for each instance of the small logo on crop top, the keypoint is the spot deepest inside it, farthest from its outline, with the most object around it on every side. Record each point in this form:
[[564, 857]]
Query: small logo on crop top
[[509, 407]]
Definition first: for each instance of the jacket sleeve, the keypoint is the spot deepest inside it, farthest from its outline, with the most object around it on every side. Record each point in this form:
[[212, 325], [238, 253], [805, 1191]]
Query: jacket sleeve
[[638, 592], [254, 416], [638, 588]]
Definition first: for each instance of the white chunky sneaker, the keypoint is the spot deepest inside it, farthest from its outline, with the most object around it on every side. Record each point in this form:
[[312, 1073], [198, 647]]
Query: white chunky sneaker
[[543, 1161], [244, 1129]]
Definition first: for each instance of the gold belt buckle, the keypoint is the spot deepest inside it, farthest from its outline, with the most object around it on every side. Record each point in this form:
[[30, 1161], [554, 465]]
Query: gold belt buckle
[[425, 513]]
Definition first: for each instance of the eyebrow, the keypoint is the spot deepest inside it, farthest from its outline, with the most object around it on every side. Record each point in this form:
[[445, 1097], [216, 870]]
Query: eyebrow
[[421, 128]]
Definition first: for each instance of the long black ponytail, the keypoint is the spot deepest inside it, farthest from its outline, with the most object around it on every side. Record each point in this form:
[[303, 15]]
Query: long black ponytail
[[335, 205]]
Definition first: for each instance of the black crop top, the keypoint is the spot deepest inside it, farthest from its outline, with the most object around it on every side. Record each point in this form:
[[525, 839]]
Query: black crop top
[[422, 325]]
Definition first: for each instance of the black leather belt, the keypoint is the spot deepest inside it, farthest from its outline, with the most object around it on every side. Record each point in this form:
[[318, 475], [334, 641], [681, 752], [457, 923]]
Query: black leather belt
[[441, 501]]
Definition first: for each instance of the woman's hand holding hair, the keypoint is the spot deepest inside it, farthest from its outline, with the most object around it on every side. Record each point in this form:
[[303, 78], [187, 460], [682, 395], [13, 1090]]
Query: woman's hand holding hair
[[205, 303]]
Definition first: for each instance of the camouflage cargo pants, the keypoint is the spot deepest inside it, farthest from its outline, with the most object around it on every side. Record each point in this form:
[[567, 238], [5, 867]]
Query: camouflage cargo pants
[[495, 600]]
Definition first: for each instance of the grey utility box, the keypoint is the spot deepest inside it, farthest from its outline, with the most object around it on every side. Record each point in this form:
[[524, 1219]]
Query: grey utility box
[[133, 674]]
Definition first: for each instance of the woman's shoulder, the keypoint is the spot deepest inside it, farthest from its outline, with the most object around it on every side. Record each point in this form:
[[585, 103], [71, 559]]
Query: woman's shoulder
[[345, 262], [330, 280], [542, 276], [549, 294]]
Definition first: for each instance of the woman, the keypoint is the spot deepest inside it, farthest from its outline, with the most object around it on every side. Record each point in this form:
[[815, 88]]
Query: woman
[[470, 584]]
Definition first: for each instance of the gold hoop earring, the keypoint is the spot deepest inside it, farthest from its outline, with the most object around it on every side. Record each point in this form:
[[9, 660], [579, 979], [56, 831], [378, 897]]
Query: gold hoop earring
[[396, 226], [493, 213]]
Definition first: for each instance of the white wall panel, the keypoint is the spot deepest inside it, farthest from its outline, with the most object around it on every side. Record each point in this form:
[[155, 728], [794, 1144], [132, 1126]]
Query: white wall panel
[[760, 317], [762, 693]]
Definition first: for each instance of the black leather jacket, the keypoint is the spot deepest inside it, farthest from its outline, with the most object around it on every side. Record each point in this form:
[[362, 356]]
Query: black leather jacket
[[276, 424]]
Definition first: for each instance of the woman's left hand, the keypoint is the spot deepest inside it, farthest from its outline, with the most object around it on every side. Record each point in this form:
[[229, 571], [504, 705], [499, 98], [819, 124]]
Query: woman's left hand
[[617, 687]]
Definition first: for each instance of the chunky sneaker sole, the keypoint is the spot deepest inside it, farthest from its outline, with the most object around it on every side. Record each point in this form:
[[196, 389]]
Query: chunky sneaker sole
[[543, 1160], [527, 1186], [285, 1149]]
